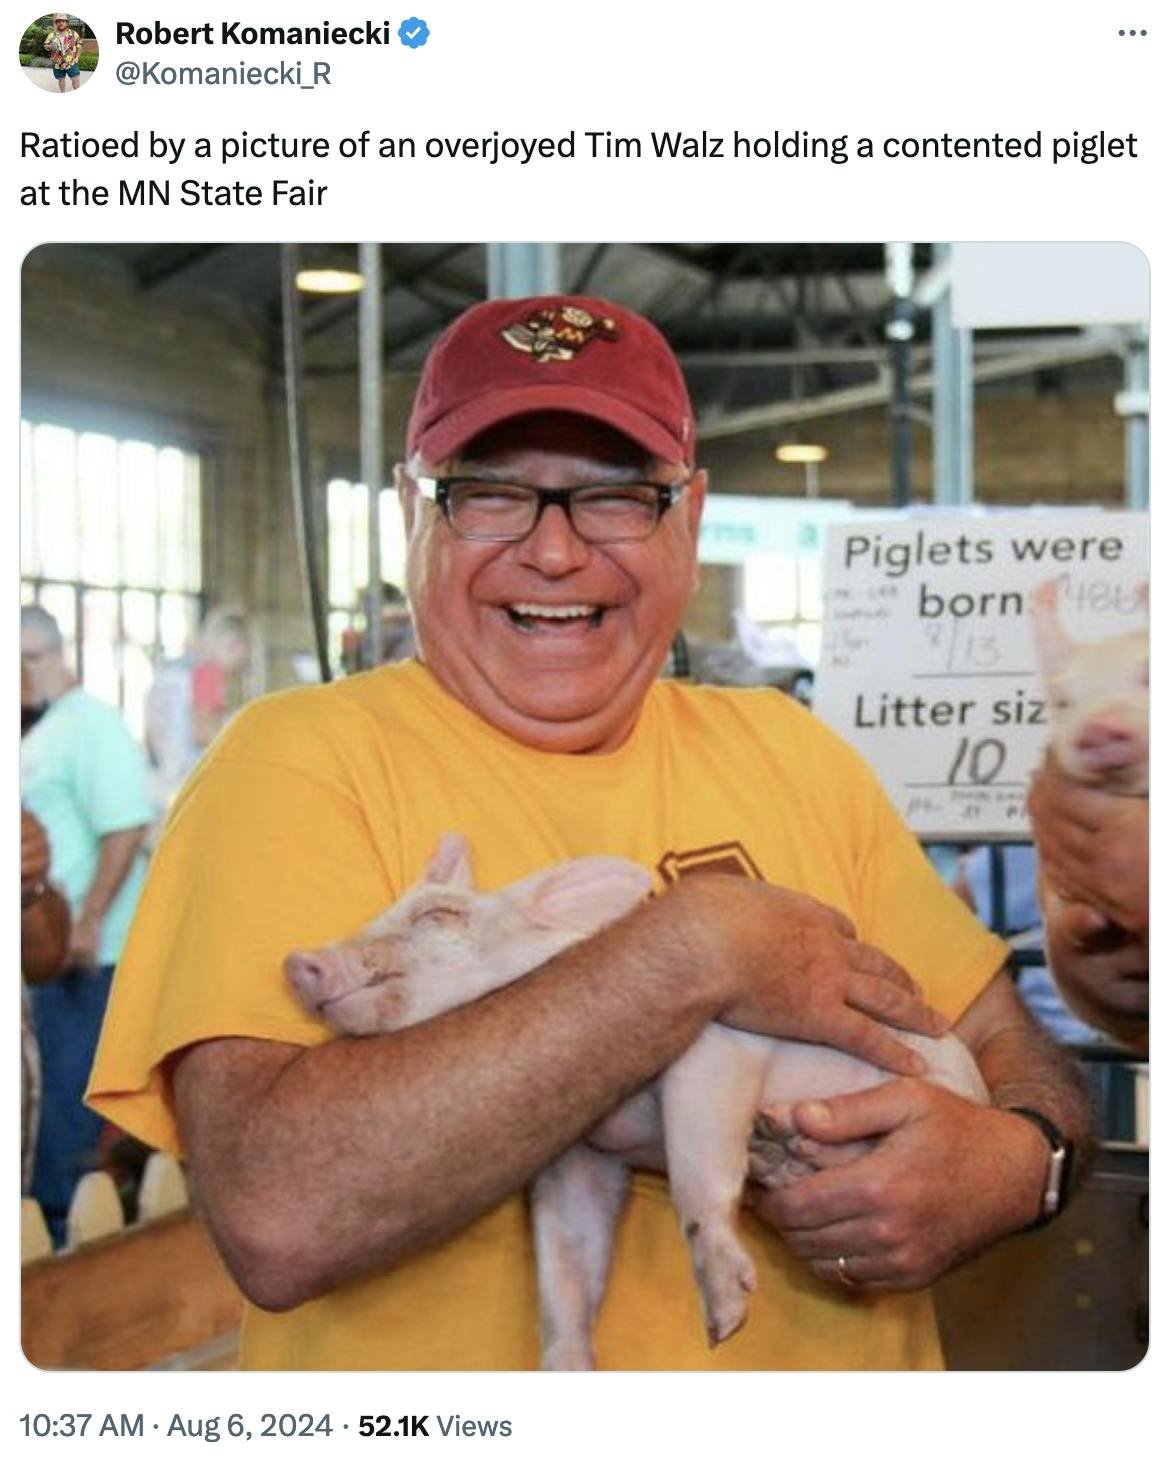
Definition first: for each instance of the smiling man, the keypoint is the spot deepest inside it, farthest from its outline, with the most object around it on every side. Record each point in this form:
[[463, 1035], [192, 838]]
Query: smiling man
[[366, 1192]]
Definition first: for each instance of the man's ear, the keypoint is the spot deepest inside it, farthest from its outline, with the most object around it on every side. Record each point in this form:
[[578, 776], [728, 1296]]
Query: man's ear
[[695, 501], [694, 505], [450, 863], [409, 496]]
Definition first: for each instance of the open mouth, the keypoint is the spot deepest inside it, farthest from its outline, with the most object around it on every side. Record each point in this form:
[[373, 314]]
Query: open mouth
[[556, 619]]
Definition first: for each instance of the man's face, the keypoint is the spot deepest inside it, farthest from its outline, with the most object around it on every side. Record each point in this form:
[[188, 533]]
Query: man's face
[[61, 24], [573, 683], [41, 666], [230, 650]]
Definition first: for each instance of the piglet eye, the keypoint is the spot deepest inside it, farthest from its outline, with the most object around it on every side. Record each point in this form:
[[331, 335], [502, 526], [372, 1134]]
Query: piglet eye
[[438, 915]]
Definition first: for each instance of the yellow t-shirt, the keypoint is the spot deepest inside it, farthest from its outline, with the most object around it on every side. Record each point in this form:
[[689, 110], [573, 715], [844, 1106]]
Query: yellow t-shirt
[[319, 806]]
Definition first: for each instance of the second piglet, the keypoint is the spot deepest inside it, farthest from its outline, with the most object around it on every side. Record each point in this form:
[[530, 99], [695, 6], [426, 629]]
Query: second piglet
[[1098, 698], [1093, 881], [444, 944]]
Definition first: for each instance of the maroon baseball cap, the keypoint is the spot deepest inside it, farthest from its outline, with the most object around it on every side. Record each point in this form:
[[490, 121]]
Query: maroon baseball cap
[[554, 353]]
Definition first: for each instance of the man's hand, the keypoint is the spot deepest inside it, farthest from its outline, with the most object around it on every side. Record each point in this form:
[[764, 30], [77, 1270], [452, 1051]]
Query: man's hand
[[1102, 970], [84, 939], [116, 855], [945, 1178], [1093, 845], [794, 968]]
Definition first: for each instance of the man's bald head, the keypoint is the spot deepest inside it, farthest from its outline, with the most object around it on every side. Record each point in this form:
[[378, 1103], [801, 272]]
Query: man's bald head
[[36, 623], [42, 655]]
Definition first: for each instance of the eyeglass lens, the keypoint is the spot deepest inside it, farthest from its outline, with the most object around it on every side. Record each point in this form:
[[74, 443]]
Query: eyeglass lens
[[599, 514]]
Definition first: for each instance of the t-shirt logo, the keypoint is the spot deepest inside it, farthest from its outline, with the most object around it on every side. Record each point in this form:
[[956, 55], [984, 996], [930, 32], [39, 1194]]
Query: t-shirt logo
[[558, 335], [730, 858]]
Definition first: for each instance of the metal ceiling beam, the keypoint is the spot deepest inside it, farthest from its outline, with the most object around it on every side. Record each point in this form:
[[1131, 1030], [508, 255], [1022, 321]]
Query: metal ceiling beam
[[164, 264], [833, 355], [322, 316], [579, 286], [876, 394], [797, 356]]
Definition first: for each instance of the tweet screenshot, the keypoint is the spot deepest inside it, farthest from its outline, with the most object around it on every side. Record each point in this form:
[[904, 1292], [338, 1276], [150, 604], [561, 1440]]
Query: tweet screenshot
[[584, 771]]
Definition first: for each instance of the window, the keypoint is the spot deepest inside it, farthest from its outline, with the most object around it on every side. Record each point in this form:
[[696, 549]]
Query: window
[[111, 546], [346, 516], [783, 593]]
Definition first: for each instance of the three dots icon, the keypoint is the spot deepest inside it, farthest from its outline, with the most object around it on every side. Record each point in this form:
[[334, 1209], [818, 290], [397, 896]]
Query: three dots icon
[[1131, 33]]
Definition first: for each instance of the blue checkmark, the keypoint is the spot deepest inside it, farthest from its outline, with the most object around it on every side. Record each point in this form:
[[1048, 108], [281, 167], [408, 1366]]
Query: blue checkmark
[[413, 32]]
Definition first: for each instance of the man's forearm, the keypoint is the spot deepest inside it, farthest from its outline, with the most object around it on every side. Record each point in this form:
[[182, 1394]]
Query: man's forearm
[[1023, 1067], [346, 1157], [116, 853]]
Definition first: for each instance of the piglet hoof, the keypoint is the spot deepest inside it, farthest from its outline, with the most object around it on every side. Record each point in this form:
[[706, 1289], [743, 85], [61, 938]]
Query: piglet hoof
[[725, 1273], [774, 1173], [771, 1157], [568, 1355]]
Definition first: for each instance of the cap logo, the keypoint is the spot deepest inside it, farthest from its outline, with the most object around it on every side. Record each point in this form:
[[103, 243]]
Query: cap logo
[[558, 335]]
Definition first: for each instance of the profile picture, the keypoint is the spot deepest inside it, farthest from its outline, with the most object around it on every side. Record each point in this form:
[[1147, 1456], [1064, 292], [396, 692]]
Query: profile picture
[[58, 52]]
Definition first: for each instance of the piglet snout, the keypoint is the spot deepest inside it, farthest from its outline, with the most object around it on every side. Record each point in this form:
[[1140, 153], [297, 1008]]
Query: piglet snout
[[307, 974], [1105, 743]]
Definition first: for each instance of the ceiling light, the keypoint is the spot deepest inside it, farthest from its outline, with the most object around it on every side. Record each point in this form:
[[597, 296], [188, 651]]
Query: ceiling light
[[801, 452], [329, 281]]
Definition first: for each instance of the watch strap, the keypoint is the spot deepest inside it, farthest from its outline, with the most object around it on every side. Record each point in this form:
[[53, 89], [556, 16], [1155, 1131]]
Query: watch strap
[[1058, 1180]]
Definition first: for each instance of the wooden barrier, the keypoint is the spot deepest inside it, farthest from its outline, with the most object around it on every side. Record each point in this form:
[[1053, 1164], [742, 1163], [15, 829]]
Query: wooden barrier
[[153, 1295]]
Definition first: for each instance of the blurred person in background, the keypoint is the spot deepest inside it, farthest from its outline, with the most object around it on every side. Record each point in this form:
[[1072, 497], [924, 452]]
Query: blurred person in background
[[188, 701], [1023, 925], [84, 778], [397, 640]]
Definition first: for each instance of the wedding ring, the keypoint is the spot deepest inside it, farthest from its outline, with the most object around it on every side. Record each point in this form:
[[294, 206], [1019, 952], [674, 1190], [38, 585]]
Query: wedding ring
[[842, 1271]]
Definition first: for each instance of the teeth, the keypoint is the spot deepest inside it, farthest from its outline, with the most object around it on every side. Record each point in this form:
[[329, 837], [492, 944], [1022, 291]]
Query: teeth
[[554, 612]]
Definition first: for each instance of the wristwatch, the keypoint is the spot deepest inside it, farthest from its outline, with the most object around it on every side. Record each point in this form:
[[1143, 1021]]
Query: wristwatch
[[1058, 1180], [35, 892]]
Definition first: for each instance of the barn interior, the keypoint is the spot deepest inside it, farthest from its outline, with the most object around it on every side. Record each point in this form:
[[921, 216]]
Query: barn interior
[[198, 430]]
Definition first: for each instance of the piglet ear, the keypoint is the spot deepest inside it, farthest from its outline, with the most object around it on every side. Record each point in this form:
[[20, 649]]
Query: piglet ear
[[449, 864], [1052, 643], [583, 895]]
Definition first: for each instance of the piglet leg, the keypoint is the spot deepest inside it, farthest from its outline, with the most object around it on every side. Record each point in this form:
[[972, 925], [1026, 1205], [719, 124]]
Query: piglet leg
[[709, 1098], [575, 1205]]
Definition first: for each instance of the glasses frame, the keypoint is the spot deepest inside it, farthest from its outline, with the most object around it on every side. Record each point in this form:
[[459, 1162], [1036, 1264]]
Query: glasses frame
[[440, 490]]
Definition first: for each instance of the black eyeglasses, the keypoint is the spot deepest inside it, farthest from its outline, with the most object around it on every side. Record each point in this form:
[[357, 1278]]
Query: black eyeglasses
[[504, 513]]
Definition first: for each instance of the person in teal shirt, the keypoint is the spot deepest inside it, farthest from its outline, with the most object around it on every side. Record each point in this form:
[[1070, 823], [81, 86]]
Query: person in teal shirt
[[85, 778]]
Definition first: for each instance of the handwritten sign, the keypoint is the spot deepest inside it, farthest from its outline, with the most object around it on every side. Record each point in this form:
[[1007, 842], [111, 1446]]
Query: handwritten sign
[[927, 664]]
